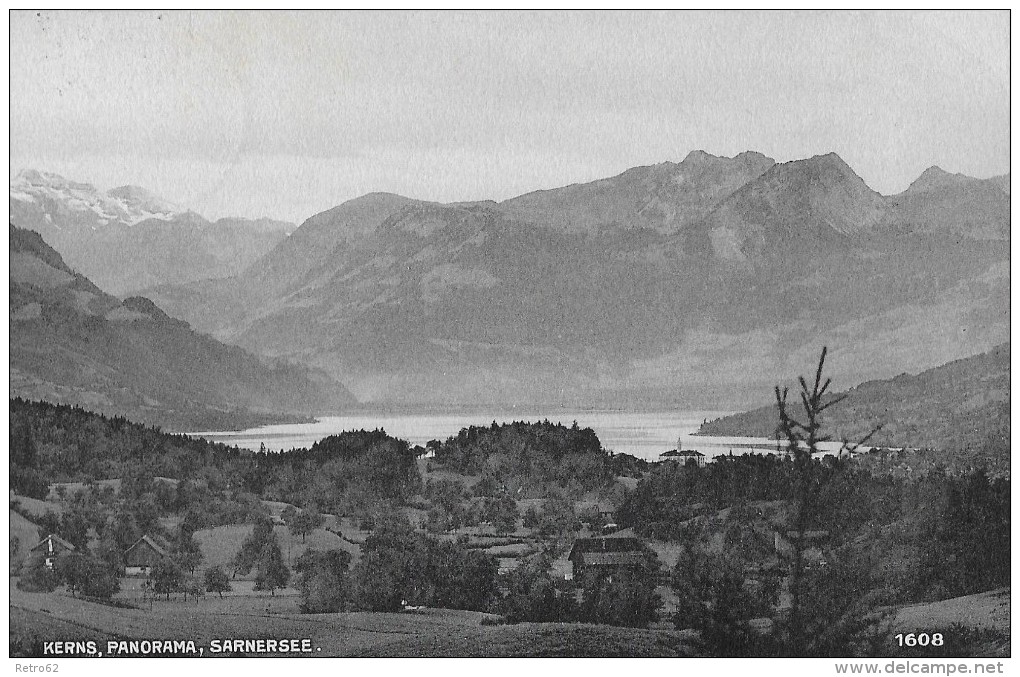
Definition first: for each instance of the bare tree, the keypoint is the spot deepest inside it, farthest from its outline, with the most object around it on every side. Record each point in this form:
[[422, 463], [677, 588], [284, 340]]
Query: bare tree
[[803, 440]]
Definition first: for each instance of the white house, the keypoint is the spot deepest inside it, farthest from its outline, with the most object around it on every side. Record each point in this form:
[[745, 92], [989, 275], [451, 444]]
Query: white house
[[685, 456]]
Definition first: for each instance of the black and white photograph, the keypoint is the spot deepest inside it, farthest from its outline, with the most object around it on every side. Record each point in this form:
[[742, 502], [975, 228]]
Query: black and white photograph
[[510, 334]]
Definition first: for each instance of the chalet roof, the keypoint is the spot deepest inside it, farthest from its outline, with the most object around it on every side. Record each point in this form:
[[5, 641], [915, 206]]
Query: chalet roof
[[151, 543], [612, 558], [601, 506], [56, 539], [604, 544], [686, 453]]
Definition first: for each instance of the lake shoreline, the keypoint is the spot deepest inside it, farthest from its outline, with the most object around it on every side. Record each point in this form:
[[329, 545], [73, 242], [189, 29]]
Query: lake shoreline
[[646, 435]]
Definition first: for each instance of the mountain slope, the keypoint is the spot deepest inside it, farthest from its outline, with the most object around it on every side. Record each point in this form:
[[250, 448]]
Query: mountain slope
[[639, 290], [963, 405], [72, 343], [127, 239], [806, 208], [953, 205]]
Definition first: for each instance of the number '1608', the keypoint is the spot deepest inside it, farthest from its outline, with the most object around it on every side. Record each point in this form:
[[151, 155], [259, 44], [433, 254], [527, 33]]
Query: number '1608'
[[920, 639]]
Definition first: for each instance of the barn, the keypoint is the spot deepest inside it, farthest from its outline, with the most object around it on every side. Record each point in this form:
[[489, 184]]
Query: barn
[[142, 556], [52, 546], [606, 555]]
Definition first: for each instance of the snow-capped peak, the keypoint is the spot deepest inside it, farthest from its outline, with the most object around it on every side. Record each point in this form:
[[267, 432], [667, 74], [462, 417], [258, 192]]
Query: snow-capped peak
[[126, 205]]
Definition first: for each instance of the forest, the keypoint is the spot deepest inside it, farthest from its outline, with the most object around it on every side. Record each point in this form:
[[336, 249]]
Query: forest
[[528, 459]]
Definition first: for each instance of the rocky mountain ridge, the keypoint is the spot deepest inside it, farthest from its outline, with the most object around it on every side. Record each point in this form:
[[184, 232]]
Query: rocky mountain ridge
[[72, 343]]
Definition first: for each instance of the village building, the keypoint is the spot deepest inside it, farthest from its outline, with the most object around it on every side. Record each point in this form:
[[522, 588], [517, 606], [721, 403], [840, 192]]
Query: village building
[[52, 547], [606, 555], [142, 556], [685, 456]]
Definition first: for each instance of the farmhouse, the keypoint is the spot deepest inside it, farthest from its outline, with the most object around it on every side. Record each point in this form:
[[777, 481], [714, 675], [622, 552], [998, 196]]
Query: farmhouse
[[606, 555], [142, 556], [684, 457], [52, 546]]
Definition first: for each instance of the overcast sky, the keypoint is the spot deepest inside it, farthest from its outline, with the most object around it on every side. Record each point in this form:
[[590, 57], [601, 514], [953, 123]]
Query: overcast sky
[[286, 115]]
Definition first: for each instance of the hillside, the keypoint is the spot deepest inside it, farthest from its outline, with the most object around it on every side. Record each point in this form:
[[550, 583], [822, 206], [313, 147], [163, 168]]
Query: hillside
[[961, 406], [23, 535], [127, 239], [72, 343], [691, 284]]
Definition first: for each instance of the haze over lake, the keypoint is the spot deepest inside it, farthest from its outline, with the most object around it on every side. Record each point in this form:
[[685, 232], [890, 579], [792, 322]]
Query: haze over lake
[[642, 434]]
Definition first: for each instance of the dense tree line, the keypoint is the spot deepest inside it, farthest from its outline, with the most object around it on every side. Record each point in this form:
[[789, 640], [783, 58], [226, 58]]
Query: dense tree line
[[58, 443], [400, 565], [626, 596], [958, 525], [529, 459], [673, 493], [70, 444], [337, 471], [966, 536]]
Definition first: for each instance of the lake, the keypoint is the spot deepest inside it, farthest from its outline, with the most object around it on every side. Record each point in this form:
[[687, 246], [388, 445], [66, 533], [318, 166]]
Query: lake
[[642, 434]]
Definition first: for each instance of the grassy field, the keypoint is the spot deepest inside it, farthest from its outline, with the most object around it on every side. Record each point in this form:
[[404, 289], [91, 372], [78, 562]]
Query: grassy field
[[241, 599], [539, 640], [432, 632], [984, 610], [220, 544], [34, 506]]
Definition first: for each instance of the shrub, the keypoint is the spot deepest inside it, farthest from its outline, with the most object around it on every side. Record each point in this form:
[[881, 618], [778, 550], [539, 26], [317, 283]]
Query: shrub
[[37, 577]]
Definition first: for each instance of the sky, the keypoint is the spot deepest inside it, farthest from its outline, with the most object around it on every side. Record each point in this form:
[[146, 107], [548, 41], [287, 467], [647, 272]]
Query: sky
[[288, 114]]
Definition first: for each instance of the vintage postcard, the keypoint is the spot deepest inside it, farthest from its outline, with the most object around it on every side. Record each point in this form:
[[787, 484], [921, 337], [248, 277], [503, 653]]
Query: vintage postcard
[[511, 334]]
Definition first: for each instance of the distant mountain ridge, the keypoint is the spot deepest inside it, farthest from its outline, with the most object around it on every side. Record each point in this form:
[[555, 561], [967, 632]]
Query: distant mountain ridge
[[81, 206], [71, 343], [960, 406], [664, 197], [694, 284], [128, 238]]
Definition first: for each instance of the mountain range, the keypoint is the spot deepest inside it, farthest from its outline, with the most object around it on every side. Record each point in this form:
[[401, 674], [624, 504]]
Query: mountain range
[[71, 343], [695, 285], [692, 284], [127, 239]]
